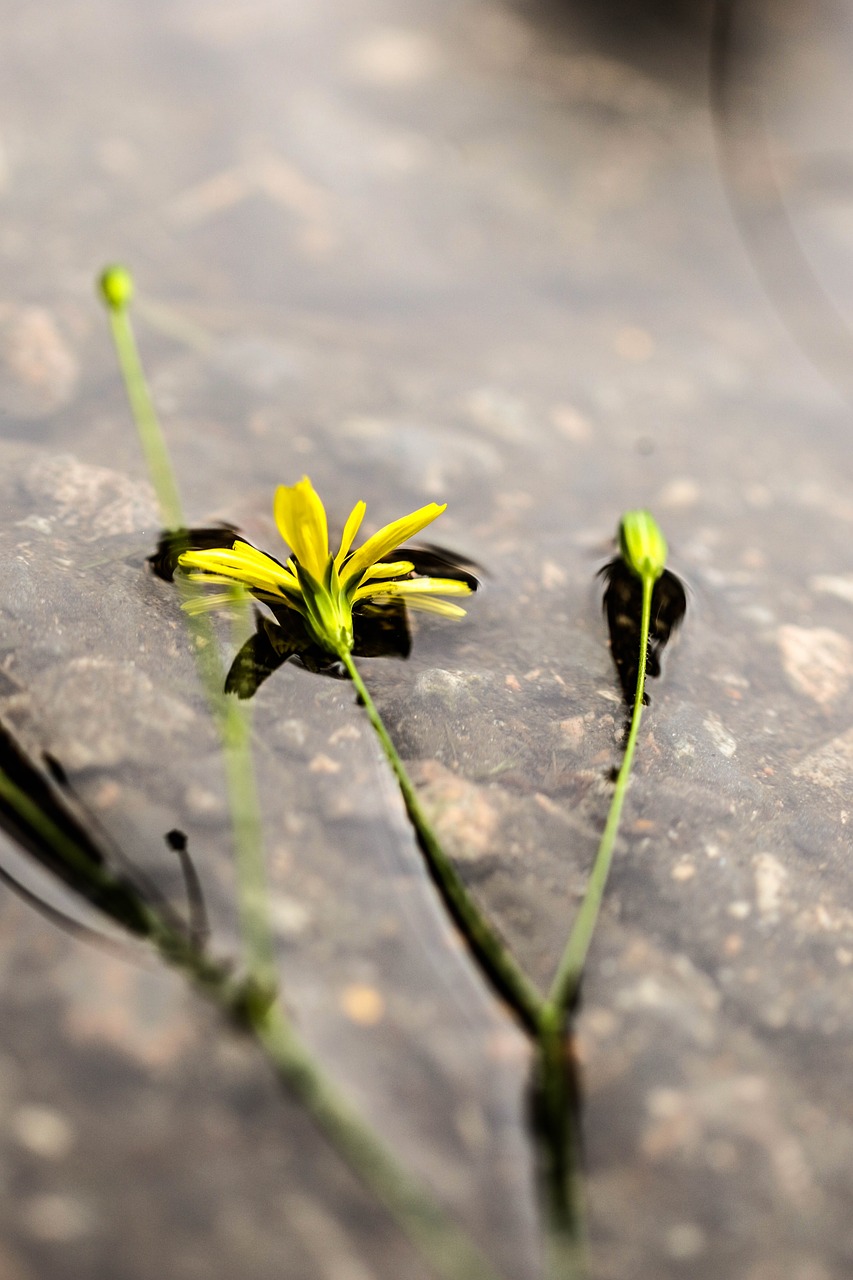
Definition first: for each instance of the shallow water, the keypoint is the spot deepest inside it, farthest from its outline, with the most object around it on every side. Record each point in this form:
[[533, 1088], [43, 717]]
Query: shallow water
[[482, 253]]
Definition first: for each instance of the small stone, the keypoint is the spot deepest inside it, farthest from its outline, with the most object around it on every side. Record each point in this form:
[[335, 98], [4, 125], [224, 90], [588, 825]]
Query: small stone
[[685, 1241], [683, 871], [462, 812], [56, 1219], [573, 731], [43, 1131], [554, 576], [679, 494], [362, 1004], [721, 738], [830, 765], [770, 877], [346, 733], [324, 764], [817, 661], [288, 916], [201, 802], [571, 423], [39, 372]]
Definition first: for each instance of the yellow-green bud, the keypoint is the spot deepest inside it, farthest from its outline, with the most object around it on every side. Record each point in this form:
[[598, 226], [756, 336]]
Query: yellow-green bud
[[642, 544], [116, 286]]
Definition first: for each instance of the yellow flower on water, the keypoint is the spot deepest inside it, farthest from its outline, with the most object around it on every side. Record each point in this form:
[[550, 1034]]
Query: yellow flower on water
[[325, 587]]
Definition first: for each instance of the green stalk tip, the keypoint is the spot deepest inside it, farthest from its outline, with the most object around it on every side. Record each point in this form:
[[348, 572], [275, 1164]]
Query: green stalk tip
[[115, 284]]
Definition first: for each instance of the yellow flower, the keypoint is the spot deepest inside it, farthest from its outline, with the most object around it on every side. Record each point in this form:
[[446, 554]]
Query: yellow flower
[[322, 586]]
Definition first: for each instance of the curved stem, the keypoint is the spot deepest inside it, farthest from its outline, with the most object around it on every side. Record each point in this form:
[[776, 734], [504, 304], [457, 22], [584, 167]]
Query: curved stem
[[491, 955], [565, 985]]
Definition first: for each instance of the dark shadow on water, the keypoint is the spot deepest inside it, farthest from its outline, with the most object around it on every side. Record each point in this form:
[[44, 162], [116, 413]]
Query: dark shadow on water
[[381, 628], [623, 604], [42, 815], [381, 633], [172, 545]]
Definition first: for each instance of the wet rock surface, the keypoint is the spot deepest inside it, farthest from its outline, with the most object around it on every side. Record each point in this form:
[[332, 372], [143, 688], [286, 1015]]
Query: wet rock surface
[[482, 253]]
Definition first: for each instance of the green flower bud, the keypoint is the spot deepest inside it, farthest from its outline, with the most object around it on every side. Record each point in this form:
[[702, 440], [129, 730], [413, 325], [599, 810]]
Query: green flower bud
[[642, 544], [116, 286]]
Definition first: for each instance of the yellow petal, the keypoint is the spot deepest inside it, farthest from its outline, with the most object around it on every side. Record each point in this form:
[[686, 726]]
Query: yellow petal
[[386, 569], [254, 570], [351, 528], [301, 520], [429, 604], [414, 587], [388, 538]]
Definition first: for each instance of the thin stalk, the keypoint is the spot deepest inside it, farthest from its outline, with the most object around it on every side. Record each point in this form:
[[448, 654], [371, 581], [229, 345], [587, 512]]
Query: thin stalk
[[565, 985], [230, 718], [147, 423], [492, 956]]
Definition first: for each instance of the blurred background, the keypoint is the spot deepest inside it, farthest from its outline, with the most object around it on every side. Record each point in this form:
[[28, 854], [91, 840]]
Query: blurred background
[[545, 261]]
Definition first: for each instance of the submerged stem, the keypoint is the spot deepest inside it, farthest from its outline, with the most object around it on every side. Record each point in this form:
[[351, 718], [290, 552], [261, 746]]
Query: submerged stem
[[565, 985], [561, 1186], [448, 1250], [492, 956]]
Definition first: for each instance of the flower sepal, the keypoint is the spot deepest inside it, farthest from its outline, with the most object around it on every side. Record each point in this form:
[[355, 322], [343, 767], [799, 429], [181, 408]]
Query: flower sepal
[[328, 612]]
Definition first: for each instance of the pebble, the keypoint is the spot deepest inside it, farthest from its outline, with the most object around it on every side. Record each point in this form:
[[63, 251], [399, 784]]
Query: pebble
[[39, 372], [721, 738], [830, 765], [42, 1131], [770, 878], [362, 1004], [685, 1241], [56, 1219], [817, 661]]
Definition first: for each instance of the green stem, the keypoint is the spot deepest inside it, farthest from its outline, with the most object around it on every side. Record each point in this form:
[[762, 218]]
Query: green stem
[[492, 956], [253, 897], [565, 985], [230, 718], [147, 423], [561, 1190], [561, 1186], [448, 1250]]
